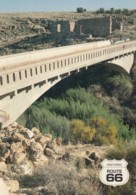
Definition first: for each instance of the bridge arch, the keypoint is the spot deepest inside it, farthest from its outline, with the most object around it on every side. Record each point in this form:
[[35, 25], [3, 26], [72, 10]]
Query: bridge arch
[[125, 62], [115, 67]]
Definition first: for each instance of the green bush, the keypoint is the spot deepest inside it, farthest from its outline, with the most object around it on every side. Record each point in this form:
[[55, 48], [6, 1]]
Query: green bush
[[47, 121], [121, 86], [54, 115]]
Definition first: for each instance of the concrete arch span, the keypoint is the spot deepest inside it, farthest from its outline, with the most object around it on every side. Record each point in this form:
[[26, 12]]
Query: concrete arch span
[[124, 62], [115, 68], [15, 104]]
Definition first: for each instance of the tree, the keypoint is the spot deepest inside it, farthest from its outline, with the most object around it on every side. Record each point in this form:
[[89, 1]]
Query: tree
[[112, 10], [125, 11], [81, 10], [118, 11], [100, 11]]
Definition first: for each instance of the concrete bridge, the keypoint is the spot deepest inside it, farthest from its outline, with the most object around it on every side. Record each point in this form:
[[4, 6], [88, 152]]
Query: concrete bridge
[[25, 77]]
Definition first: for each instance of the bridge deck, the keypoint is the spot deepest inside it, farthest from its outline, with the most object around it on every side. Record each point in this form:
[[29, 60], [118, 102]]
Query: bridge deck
[[21, 70]]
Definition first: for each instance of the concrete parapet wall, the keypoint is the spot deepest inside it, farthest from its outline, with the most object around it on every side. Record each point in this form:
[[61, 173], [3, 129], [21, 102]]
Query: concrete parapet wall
[[7, 61]]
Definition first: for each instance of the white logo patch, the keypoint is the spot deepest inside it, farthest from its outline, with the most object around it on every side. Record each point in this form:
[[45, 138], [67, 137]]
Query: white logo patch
[[114, 172]]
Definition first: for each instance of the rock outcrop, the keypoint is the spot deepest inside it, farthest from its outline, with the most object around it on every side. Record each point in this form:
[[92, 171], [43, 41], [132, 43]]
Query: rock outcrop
[[22, 152]]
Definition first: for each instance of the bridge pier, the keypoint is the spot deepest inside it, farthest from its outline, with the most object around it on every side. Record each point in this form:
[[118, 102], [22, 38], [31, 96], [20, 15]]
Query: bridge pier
[[133, 69]]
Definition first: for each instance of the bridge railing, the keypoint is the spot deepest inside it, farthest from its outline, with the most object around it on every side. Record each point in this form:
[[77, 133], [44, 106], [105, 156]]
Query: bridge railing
[[27, 72]]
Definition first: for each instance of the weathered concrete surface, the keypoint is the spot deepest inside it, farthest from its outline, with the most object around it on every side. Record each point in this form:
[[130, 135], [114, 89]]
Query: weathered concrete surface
[[124, 61]]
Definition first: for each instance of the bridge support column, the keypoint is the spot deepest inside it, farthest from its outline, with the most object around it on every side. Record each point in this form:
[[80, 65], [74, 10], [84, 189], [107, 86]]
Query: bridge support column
[[133, 70]]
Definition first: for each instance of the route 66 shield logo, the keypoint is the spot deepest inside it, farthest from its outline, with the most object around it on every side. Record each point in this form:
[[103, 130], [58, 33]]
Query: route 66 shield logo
[[114, 172]]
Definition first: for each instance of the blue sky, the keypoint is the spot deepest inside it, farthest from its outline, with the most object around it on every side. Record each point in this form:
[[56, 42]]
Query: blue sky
[[62, 5]]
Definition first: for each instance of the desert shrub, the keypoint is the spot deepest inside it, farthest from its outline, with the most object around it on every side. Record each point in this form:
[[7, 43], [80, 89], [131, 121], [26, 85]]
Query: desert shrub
[[79, 94], [125, 151], [129, 116], [80, 132], [54, 115], [106, 132], [47, 121], [121, 86], [97, 90], [75, 103], [59, 178]]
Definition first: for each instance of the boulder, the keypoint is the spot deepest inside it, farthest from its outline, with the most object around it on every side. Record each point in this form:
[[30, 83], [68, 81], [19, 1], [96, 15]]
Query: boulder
[[5, 153], [88, 162], [17, 153], [17, 137], [48, 135], [4, 150], [18, 157], [51, 145], [36, 151], [3, 167], [14, 125], [24, 168], [2, 135], [84, 162], [93, 156], [40, 163], [43, 139], [18, 147], [35, 130], [48, 152], [13, 185], [2, 159], [35, 146], [27, 133], [9, 128]]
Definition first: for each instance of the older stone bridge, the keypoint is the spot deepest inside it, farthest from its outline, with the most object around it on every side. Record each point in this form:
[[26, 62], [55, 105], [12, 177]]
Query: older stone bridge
[[25, 77]]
